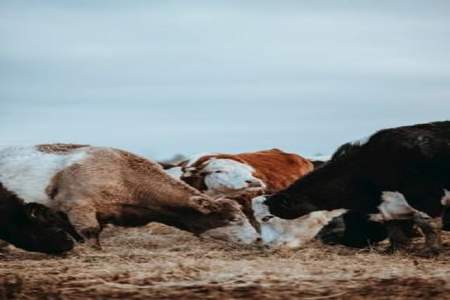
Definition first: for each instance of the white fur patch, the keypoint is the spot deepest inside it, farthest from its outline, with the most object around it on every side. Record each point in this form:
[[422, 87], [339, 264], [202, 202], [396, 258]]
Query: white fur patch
[[227, 175], [240, 232], [261, 211], [277, 232], [27, 172], [319, 157], [175, 172], [445, 200], [394, 207], [269, 234]]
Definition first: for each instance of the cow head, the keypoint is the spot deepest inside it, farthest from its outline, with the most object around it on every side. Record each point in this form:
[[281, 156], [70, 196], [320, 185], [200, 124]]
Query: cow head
[[226, 221], [282, 205], [25, 227], [222, 176], [276, 232]]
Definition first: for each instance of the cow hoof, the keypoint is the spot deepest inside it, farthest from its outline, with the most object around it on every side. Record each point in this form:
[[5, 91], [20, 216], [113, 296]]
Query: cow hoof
[[429, 252], [94, 244], [390, 250], [91, 237], [393, 249]]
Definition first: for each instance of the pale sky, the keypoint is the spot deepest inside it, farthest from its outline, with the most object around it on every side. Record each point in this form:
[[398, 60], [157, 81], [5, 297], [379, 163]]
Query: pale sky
[[165, 77]]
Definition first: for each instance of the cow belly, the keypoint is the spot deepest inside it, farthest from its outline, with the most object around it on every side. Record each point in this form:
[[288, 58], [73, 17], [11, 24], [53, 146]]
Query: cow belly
[[27, 172]]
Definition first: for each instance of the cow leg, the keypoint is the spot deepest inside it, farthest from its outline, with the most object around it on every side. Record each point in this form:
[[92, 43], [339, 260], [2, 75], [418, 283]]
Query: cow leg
[[395, 207], [432, 233], [445, 201], [84, 220], [398, 239], [446, 219], [352, 229]]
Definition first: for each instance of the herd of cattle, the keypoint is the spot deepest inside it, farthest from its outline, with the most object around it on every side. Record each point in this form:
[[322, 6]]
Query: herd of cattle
[[386, 187]]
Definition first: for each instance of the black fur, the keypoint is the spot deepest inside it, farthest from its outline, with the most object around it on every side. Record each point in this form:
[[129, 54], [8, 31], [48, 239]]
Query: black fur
[[352, 229], [32, 227], [446, 219], [414, 160]]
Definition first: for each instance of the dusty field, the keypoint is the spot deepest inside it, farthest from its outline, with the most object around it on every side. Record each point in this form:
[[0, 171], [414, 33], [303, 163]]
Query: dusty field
[[157, 262]]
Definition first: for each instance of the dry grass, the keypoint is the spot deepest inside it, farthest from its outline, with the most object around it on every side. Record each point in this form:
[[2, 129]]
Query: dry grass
[[158, 262]]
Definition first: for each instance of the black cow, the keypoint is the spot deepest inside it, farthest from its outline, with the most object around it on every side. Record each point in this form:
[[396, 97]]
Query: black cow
[[412, 160], [33, 227]]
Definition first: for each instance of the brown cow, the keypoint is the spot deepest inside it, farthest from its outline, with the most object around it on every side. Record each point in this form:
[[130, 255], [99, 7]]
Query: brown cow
[[94, 186]]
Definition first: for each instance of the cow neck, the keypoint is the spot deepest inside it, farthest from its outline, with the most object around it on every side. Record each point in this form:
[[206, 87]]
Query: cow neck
[[169, 201]]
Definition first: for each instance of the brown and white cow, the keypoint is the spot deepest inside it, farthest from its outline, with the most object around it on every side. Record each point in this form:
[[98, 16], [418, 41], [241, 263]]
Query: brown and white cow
[[94, 186], [243, 176], [228, 174]]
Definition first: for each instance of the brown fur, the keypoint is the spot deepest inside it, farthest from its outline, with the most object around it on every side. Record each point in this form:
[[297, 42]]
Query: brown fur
[[115, 186], [277, 169], [245, 201]]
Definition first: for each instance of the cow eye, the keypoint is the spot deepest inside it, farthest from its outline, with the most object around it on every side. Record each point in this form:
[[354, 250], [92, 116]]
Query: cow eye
[[218, 171], [266, 218], [234, 219]]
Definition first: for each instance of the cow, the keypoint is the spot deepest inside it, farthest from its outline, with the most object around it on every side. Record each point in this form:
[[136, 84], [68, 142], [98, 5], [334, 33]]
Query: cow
[[398, 177], [243, 176], [94, 186]]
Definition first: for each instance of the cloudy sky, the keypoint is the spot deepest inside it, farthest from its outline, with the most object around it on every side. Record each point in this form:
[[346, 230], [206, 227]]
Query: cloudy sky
[[166, 77]]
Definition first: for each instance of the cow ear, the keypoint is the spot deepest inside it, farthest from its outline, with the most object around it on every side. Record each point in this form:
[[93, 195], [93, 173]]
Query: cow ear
[[203, 204], [166, 166]]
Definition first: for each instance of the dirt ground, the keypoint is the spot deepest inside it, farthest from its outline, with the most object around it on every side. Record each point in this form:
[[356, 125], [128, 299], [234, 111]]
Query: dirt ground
[[158, 262]]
